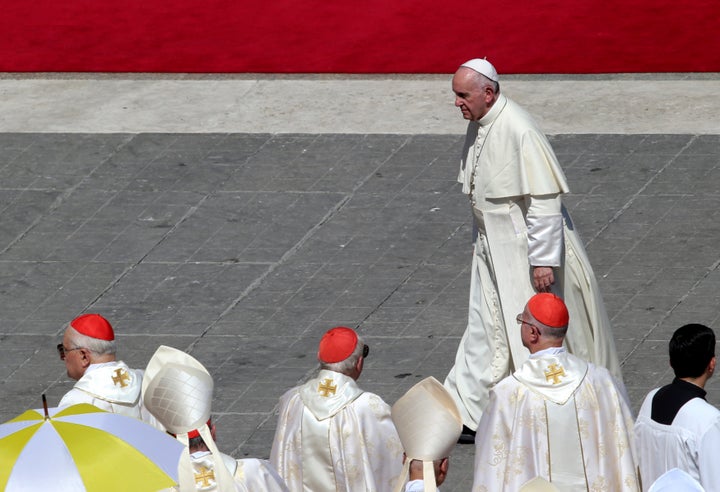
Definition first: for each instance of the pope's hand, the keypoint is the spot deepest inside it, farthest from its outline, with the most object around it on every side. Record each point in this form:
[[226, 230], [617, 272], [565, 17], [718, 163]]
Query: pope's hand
[[543, 278]]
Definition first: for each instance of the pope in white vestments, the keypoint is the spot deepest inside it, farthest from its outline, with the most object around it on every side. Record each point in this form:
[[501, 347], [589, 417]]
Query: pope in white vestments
[[331, 435], [524, 242], [557, 417], [88, 350], [676, 427]]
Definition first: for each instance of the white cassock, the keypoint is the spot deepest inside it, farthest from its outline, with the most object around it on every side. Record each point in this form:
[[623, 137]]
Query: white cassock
[[515, 182], [416, 486], [113, 387], [250, 475], [333, 436], [560, 418], [691, 443]]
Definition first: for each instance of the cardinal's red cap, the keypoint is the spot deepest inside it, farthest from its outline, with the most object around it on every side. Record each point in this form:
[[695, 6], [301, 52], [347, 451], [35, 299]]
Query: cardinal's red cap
[[549, 310], [337, 344], [94, 326]]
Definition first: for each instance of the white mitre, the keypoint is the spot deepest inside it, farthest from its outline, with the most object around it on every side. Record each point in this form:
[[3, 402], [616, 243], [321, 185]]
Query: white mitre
[[429, 425], [177, 390], [676, 480], [538, 484], [484, 67]]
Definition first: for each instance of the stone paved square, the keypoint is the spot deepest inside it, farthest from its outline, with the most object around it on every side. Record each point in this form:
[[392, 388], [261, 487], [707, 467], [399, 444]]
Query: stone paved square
[[243, 248]]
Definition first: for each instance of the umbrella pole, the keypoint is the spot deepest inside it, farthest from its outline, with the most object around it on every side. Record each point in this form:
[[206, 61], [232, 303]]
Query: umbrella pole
[[45, 407]]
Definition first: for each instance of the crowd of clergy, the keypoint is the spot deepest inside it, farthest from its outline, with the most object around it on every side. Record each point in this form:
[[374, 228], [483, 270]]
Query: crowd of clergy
[[557, 423]]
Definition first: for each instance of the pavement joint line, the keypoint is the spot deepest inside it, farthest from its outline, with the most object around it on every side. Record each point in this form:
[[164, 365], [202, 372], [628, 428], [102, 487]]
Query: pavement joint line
[[639, 192], [667, 314]]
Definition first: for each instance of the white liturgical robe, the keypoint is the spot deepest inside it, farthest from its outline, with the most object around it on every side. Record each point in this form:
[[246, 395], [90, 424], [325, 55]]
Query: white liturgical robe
[[251, 475], [559, 418], [515, 182], [332, 436], [691, 443], [113, 387]]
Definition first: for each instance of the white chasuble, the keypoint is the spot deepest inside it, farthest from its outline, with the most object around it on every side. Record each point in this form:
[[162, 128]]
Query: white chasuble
[[333, 436], [113, 387], [515, 185], [248, 475], [559, 418]]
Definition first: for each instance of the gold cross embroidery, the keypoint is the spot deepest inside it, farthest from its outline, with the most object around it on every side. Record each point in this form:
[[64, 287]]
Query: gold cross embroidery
[[554, 372], [204, 476], [326, 387], [120, 377]]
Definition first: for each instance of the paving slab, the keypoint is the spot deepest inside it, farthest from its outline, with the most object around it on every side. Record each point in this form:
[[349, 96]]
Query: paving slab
[[242, 248]]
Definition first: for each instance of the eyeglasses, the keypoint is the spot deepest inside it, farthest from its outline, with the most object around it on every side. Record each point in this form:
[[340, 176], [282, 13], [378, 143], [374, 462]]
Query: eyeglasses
[[521, 321], [366, 351], [62, 350]]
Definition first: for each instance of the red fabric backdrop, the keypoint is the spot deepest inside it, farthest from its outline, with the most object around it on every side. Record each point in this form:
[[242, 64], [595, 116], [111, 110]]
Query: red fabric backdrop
[[371, 36]]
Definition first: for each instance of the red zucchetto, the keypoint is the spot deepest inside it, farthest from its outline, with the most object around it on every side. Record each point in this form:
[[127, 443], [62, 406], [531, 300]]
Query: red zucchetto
[[549, 310], [94, 326], [337, 344]]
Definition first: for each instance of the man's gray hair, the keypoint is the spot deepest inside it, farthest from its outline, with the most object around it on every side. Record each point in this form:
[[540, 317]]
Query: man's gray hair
[[94, 345], [346, 366]]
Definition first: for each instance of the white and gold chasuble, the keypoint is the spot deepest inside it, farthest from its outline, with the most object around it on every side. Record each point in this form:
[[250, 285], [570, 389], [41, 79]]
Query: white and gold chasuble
[[332, 436], [515, 183], [560, 418], [113, 387]]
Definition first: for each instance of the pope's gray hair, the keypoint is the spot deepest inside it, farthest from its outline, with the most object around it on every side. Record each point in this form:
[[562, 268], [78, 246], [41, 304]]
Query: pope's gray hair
[[94, 345], [348, 365]]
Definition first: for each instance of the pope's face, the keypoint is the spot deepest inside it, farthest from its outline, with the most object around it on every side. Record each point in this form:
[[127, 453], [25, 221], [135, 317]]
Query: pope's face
[[471, 97]]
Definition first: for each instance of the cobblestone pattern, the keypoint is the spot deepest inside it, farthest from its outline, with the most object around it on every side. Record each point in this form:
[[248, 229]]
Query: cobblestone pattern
[[244, 248]]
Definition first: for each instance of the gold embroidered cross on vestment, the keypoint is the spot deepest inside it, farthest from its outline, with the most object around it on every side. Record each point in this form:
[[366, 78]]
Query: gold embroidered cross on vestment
[[204, 476], [554, 372], [326, 388], [120, 377]]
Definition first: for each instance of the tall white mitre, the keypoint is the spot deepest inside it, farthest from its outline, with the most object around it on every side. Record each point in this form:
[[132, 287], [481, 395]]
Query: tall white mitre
[[429, 425], [538, 484], [177, 390]]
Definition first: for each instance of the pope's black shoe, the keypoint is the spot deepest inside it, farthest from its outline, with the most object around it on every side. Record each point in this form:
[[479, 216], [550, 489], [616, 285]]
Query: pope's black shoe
[[467, 436]]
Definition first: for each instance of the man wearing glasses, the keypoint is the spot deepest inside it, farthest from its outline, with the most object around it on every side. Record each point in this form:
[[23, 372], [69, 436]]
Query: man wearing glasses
[[88, 350], [331, 435], [557, 416]]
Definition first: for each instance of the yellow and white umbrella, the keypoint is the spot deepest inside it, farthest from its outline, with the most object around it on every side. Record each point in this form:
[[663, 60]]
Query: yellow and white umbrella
[[83, 448]]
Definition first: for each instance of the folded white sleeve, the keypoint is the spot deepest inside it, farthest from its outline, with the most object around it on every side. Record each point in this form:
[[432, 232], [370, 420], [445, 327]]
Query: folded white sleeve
[[545, 230]]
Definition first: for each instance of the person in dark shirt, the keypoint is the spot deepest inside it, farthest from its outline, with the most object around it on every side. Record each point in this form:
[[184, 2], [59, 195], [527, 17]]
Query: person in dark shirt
[[676, 427]]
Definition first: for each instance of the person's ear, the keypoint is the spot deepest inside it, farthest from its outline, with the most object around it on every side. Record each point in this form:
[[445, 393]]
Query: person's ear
[[85, 358], [711, 365]]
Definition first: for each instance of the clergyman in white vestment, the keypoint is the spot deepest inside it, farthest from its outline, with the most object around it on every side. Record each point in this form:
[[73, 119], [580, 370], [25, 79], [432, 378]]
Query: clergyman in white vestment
[[676, 427], [429, 425], [88, 350], [178, 390], [557, 417], [331, 435], [524, 242]]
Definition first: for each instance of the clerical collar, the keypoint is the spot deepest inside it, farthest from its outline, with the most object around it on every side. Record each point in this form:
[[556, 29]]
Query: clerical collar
[[548, 351], [98, 365], [669, 399], [494, 111]]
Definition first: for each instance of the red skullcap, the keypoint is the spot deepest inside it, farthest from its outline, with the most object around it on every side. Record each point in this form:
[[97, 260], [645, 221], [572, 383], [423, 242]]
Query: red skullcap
[[337, 344], [196, 433], [94, 326], [549, 310]]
